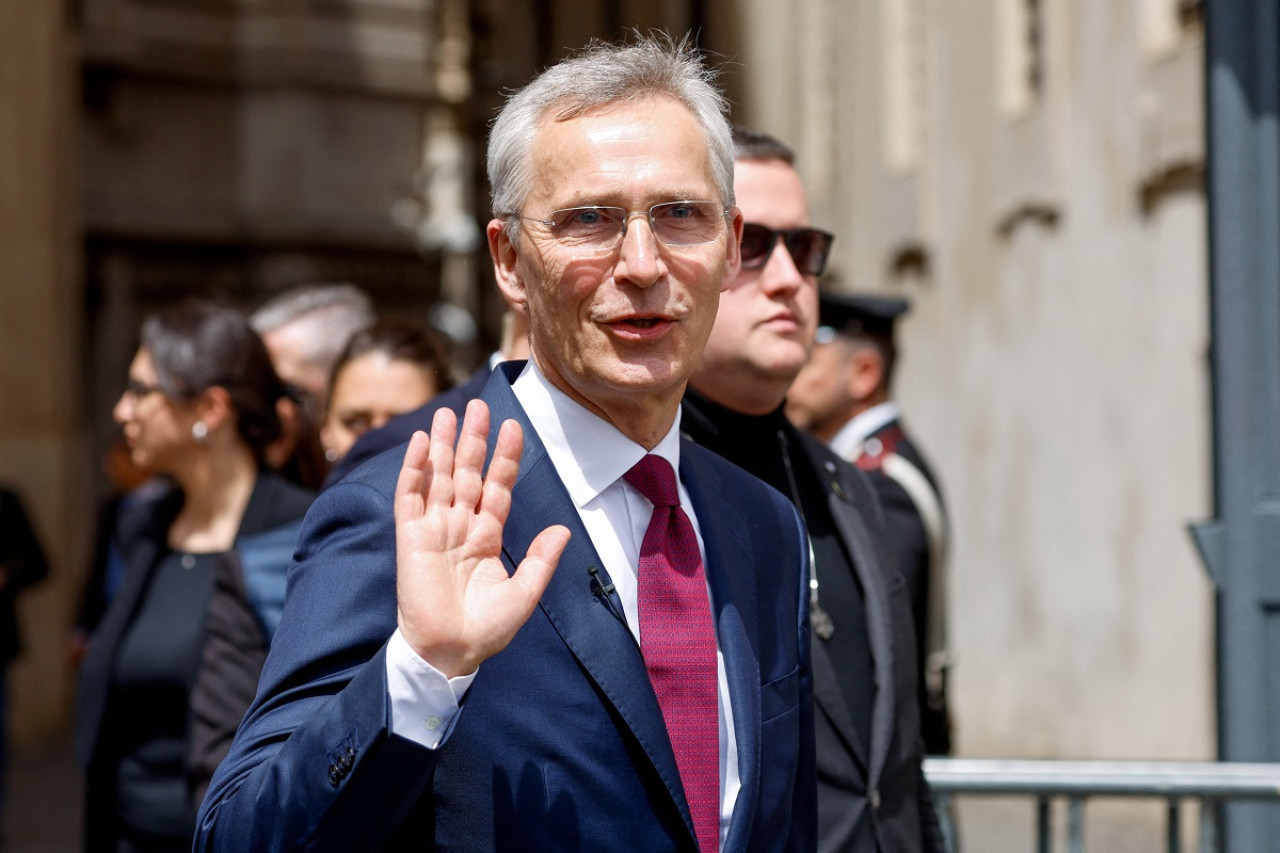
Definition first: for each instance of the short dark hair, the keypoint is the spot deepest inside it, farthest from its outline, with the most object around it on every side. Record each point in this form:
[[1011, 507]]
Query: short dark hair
[[197, 345], [752, 144], [398, 341]]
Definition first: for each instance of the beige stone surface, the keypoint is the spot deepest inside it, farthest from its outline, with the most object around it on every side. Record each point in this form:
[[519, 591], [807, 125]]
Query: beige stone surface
[[1054, 364]]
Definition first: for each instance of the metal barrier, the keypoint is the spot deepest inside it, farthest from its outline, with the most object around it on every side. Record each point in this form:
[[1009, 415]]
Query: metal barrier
[[1210, 783]]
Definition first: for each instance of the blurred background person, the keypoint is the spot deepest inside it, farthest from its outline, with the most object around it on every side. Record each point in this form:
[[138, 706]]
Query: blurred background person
[[199, 407], [844, 397], [130, 485], [22, 563], [514, 345], [305, 330], [386, 370]]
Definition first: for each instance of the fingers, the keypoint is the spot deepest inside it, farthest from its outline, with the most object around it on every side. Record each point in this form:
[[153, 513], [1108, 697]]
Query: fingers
[[539, 564], [413, 474], [503, 468], [444, 429], [469, 455]]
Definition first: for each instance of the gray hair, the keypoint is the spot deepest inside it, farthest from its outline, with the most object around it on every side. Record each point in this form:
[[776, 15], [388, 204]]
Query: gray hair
[[600, 75], [344, 299], [337, 311]]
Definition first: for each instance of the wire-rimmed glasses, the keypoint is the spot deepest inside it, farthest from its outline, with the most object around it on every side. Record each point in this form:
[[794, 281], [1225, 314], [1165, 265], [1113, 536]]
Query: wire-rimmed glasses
[[596, 229]]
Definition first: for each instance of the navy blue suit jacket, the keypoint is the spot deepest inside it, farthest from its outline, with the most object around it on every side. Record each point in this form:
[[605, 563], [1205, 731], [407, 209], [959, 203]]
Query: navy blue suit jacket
[[560, 744]]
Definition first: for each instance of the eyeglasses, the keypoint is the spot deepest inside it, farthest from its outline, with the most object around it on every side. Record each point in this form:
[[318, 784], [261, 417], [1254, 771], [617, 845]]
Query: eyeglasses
[[598, 230], [809, 247], [137, 389]]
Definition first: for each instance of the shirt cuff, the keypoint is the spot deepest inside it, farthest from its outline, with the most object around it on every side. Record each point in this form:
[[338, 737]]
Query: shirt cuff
[[424, 702]]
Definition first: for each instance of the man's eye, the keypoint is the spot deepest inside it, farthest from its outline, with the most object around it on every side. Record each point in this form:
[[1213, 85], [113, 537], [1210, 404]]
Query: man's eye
[[584, 218]]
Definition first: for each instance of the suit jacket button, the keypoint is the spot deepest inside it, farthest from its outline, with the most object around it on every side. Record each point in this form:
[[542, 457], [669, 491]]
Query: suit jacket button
[[334, 776], [875, 798]]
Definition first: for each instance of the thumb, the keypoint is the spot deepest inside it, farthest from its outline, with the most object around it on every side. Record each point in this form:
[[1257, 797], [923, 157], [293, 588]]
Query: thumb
[[540, 562]]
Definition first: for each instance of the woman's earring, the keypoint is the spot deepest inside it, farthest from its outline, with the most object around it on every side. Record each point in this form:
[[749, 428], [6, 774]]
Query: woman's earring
[[200, 431]]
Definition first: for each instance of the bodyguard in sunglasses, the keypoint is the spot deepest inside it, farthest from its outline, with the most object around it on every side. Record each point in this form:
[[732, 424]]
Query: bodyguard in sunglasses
[[872, 796]]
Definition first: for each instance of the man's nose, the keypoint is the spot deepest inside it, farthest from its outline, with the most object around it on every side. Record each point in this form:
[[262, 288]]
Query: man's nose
[[639, 258], [780, 273]]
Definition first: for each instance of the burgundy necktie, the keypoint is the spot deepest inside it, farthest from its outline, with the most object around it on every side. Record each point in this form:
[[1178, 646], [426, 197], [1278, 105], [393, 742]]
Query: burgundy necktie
[[678, 641]]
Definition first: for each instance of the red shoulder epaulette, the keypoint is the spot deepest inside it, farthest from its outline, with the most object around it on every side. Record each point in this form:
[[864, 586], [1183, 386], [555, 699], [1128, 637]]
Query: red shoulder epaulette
[[878, 446]]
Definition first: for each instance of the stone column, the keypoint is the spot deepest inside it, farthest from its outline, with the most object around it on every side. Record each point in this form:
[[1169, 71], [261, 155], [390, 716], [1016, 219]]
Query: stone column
[[42, 448]]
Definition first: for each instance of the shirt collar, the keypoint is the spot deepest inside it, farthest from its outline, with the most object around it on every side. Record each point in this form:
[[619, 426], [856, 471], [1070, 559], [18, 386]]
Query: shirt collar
[[848, 441], [600, 454]]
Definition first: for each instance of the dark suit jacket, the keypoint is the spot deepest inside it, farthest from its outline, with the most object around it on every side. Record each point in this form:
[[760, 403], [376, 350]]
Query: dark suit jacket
[[871, 792], [909, 540], [560, 745], [400, 429], [143, 532], [883, 785], [24, 563]]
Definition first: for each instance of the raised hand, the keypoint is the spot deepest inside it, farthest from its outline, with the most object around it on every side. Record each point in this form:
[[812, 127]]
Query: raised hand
[[456, 604]]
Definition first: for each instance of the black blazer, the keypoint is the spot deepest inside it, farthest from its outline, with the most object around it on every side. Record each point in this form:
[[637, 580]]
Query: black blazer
[[23, 562], [143, 531]]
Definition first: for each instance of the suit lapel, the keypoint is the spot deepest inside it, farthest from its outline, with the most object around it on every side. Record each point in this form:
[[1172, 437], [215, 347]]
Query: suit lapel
[[734, 602], [599, 640]]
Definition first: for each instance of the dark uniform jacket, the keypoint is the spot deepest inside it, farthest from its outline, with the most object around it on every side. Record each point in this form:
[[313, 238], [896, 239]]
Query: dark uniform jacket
[[914, 552]]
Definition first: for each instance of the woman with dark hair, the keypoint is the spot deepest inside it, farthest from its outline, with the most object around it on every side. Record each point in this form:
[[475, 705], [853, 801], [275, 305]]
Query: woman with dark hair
[[199, 408], [386, 370]]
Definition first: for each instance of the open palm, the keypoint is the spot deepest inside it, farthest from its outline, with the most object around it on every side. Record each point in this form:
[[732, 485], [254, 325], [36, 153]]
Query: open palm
[[457, 606]]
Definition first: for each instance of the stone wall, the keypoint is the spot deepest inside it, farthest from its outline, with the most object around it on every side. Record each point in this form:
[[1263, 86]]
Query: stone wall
[[42, 439], [1040, 201]]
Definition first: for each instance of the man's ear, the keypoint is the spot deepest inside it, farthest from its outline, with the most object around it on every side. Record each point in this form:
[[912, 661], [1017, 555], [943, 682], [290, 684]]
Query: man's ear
[[506, 258], [866, 373], [733, 262]]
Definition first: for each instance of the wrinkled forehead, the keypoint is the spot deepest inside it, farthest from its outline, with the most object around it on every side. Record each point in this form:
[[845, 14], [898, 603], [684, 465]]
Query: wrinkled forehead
[[646, 150]]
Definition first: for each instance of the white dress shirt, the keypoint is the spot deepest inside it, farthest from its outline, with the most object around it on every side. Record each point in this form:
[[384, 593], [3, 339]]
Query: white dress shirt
[[847, 443], [590, 455]]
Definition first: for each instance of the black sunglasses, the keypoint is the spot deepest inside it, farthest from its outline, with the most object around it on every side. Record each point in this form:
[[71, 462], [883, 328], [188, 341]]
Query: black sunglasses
[[809, 247]]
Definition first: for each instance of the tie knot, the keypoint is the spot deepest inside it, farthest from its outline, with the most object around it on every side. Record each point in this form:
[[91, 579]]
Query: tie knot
[[652, 477]]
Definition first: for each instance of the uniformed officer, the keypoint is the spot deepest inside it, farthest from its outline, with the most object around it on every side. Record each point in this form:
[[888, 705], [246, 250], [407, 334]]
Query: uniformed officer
[[844, 397]]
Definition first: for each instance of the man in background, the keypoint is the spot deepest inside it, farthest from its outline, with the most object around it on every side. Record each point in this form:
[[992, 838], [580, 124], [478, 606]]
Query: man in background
[[844, 397], [872, 795], [305, 330]]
